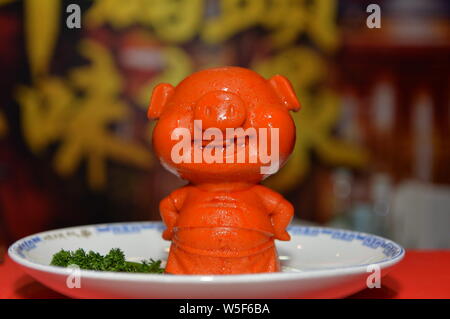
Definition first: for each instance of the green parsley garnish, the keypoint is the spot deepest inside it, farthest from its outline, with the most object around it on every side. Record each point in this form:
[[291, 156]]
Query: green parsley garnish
[[113, 261]]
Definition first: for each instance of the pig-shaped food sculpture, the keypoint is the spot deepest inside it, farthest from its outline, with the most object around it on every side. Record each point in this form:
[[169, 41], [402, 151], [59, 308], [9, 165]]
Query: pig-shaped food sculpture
[[224, 130]]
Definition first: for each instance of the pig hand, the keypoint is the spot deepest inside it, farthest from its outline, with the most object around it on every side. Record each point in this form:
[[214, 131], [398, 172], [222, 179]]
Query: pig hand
[[281, 217], [169, 215]]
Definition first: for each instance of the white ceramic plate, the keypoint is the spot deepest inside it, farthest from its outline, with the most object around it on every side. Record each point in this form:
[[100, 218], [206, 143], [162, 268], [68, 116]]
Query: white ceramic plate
[[317, 263]]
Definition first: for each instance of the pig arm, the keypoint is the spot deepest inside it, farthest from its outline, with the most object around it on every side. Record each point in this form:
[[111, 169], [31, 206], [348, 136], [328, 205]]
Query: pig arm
[[169, 209], [280, 211]]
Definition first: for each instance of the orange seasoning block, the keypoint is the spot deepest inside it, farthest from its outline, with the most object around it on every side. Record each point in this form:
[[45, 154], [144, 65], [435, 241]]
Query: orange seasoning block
[[224, 130]]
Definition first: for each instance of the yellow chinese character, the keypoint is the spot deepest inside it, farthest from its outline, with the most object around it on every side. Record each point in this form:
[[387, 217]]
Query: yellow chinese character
[[117, 13], [175, 21], [172, 20], [235, 16], [52, 112], [315, 121], [45, 111], [287, 19]]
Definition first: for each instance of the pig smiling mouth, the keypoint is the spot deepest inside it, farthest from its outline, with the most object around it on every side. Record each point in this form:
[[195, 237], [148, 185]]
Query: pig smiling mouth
[[252, 145], [222, 144]]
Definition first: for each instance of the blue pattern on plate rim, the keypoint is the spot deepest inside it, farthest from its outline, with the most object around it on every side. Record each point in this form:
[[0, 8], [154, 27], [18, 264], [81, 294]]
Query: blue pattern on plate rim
[[27, 245], [390, 249], [129, 228], [372, 241]]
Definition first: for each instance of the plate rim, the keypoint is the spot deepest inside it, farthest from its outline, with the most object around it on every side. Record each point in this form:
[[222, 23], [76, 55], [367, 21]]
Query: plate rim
[[205, 279]]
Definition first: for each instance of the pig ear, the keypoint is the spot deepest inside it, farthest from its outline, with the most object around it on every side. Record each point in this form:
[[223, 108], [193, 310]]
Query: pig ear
[[160, 95], [285, 92]]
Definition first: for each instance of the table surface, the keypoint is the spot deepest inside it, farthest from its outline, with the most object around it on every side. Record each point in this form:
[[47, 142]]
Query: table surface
[[422, 274]]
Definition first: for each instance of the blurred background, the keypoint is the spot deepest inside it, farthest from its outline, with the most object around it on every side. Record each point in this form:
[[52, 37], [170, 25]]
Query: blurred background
[[373, 145]]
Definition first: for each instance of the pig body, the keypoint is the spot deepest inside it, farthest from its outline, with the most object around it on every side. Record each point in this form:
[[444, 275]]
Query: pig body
[[234, 233]]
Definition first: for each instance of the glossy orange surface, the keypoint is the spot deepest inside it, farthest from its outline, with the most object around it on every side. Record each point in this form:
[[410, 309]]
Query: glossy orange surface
[[223, 221]]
